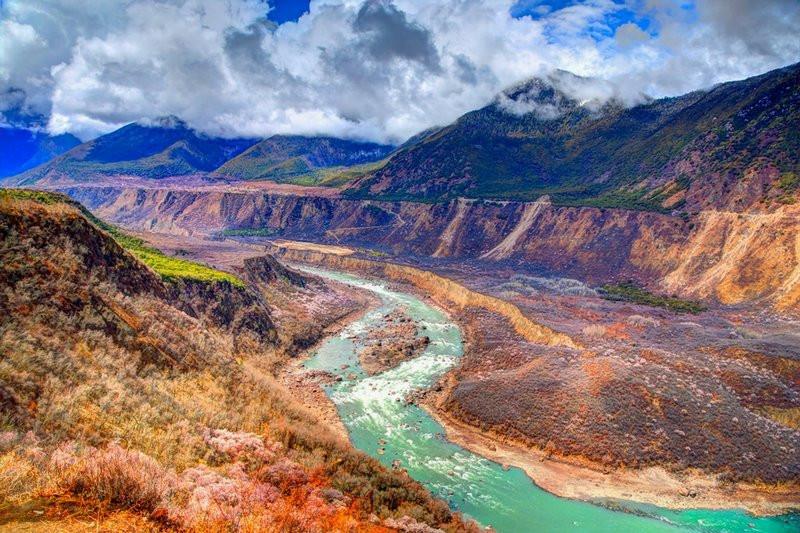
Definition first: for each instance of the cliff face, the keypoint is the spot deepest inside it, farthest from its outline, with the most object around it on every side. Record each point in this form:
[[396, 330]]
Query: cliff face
[[438, 288], [724, 256]]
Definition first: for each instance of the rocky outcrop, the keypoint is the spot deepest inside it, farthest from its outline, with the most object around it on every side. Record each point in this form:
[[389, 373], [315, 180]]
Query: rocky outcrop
[[267, 269], [727, 257], [72, 245], [235, 309]]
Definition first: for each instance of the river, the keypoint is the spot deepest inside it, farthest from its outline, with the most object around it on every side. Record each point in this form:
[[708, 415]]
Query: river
[[382, 425]]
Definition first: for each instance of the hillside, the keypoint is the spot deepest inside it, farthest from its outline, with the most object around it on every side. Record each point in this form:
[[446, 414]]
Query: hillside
[[293, 158], [166, 148], [731, 147], [22, 149], [137, 397]]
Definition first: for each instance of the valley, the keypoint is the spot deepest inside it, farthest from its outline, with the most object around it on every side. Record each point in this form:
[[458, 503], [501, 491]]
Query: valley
[[490, 334], [585, 318], [399, 434], [140, 390]]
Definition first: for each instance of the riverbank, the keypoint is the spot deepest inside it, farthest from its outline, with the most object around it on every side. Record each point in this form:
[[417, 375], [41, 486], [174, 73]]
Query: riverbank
[[564, 478], [405, 437], [568, 479], [307, 387]]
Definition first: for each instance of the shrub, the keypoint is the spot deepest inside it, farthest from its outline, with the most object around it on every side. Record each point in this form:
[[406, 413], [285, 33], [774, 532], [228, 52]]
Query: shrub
[[205, 498], [285, 474], [233, 445], [630, 292], [124, 478]]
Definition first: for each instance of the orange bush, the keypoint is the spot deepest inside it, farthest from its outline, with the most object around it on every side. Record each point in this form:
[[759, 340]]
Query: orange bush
[[121, 477]]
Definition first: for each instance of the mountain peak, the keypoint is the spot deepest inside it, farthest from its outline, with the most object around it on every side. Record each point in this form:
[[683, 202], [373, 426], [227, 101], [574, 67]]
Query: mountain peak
[[170, 122], [559, 91]]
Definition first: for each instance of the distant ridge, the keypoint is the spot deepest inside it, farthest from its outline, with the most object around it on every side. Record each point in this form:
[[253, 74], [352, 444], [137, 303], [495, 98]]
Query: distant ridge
[[22, 149], [168, 147], [734, 146], [164, 147], [287, 157]]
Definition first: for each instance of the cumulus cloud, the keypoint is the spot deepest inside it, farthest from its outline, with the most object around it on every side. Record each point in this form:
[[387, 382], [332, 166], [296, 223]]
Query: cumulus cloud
[[370, 69], [629, 34]]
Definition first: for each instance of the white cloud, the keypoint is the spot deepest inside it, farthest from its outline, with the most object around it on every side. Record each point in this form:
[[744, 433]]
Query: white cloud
[[368, 69], [629, 34]]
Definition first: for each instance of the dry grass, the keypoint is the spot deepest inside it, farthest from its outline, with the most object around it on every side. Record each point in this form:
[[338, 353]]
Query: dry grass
[[18, 476], [123, 478], [113, 393], [788, 417]]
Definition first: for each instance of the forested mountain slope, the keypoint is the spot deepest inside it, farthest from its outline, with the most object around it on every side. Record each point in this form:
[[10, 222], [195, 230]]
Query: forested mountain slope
[[732, 147]]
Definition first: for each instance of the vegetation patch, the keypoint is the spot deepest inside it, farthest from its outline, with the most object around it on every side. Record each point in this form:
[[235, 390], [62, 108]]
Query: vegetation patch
[[788, 184], [248, 232], [171, 268], [372, 253], [42, 197], [630, 292]]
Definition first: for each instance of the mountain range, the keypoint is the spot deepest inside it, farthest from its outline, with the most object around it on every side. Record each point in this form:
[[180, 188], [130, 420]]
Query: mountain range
[[169, 147], [733, 146]]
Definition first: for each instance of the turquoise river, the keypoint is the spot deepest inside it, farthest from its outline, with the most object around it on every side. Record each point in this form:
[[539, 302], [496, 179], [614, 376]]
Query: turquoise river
[[373, 410]]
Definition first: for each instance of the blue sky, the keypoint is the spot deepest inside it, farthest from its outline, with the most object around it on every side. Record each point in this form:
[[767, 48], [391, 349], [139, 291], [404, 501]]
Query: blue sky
[[287, 10], [291, 10], [380, 70], [623, 14]]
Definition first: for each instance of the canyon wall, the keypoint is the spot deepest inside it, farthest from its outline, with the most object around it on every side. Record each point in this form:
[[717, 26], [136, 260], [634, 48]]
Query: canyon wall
[[443, 291], [714, 255]]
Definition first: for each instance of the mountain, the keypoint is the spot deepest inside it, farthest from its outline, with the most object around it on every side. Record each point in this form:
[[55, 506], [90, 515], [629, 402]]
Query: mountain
[[22, 149], [166, 147], [734, 146], [291, 157], [144, 385]]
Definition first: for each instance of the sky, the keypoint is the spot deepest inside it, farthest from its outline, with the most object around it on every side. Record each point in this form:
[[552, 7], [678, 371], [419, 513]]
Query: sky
[[378, 70]]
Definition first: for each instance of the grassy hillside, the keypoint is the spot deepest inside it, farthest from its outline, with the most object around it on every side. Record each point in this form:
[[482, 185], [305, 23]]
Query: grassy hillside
[[727, 146], [132, 403], [169, 268], [302, 160]]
